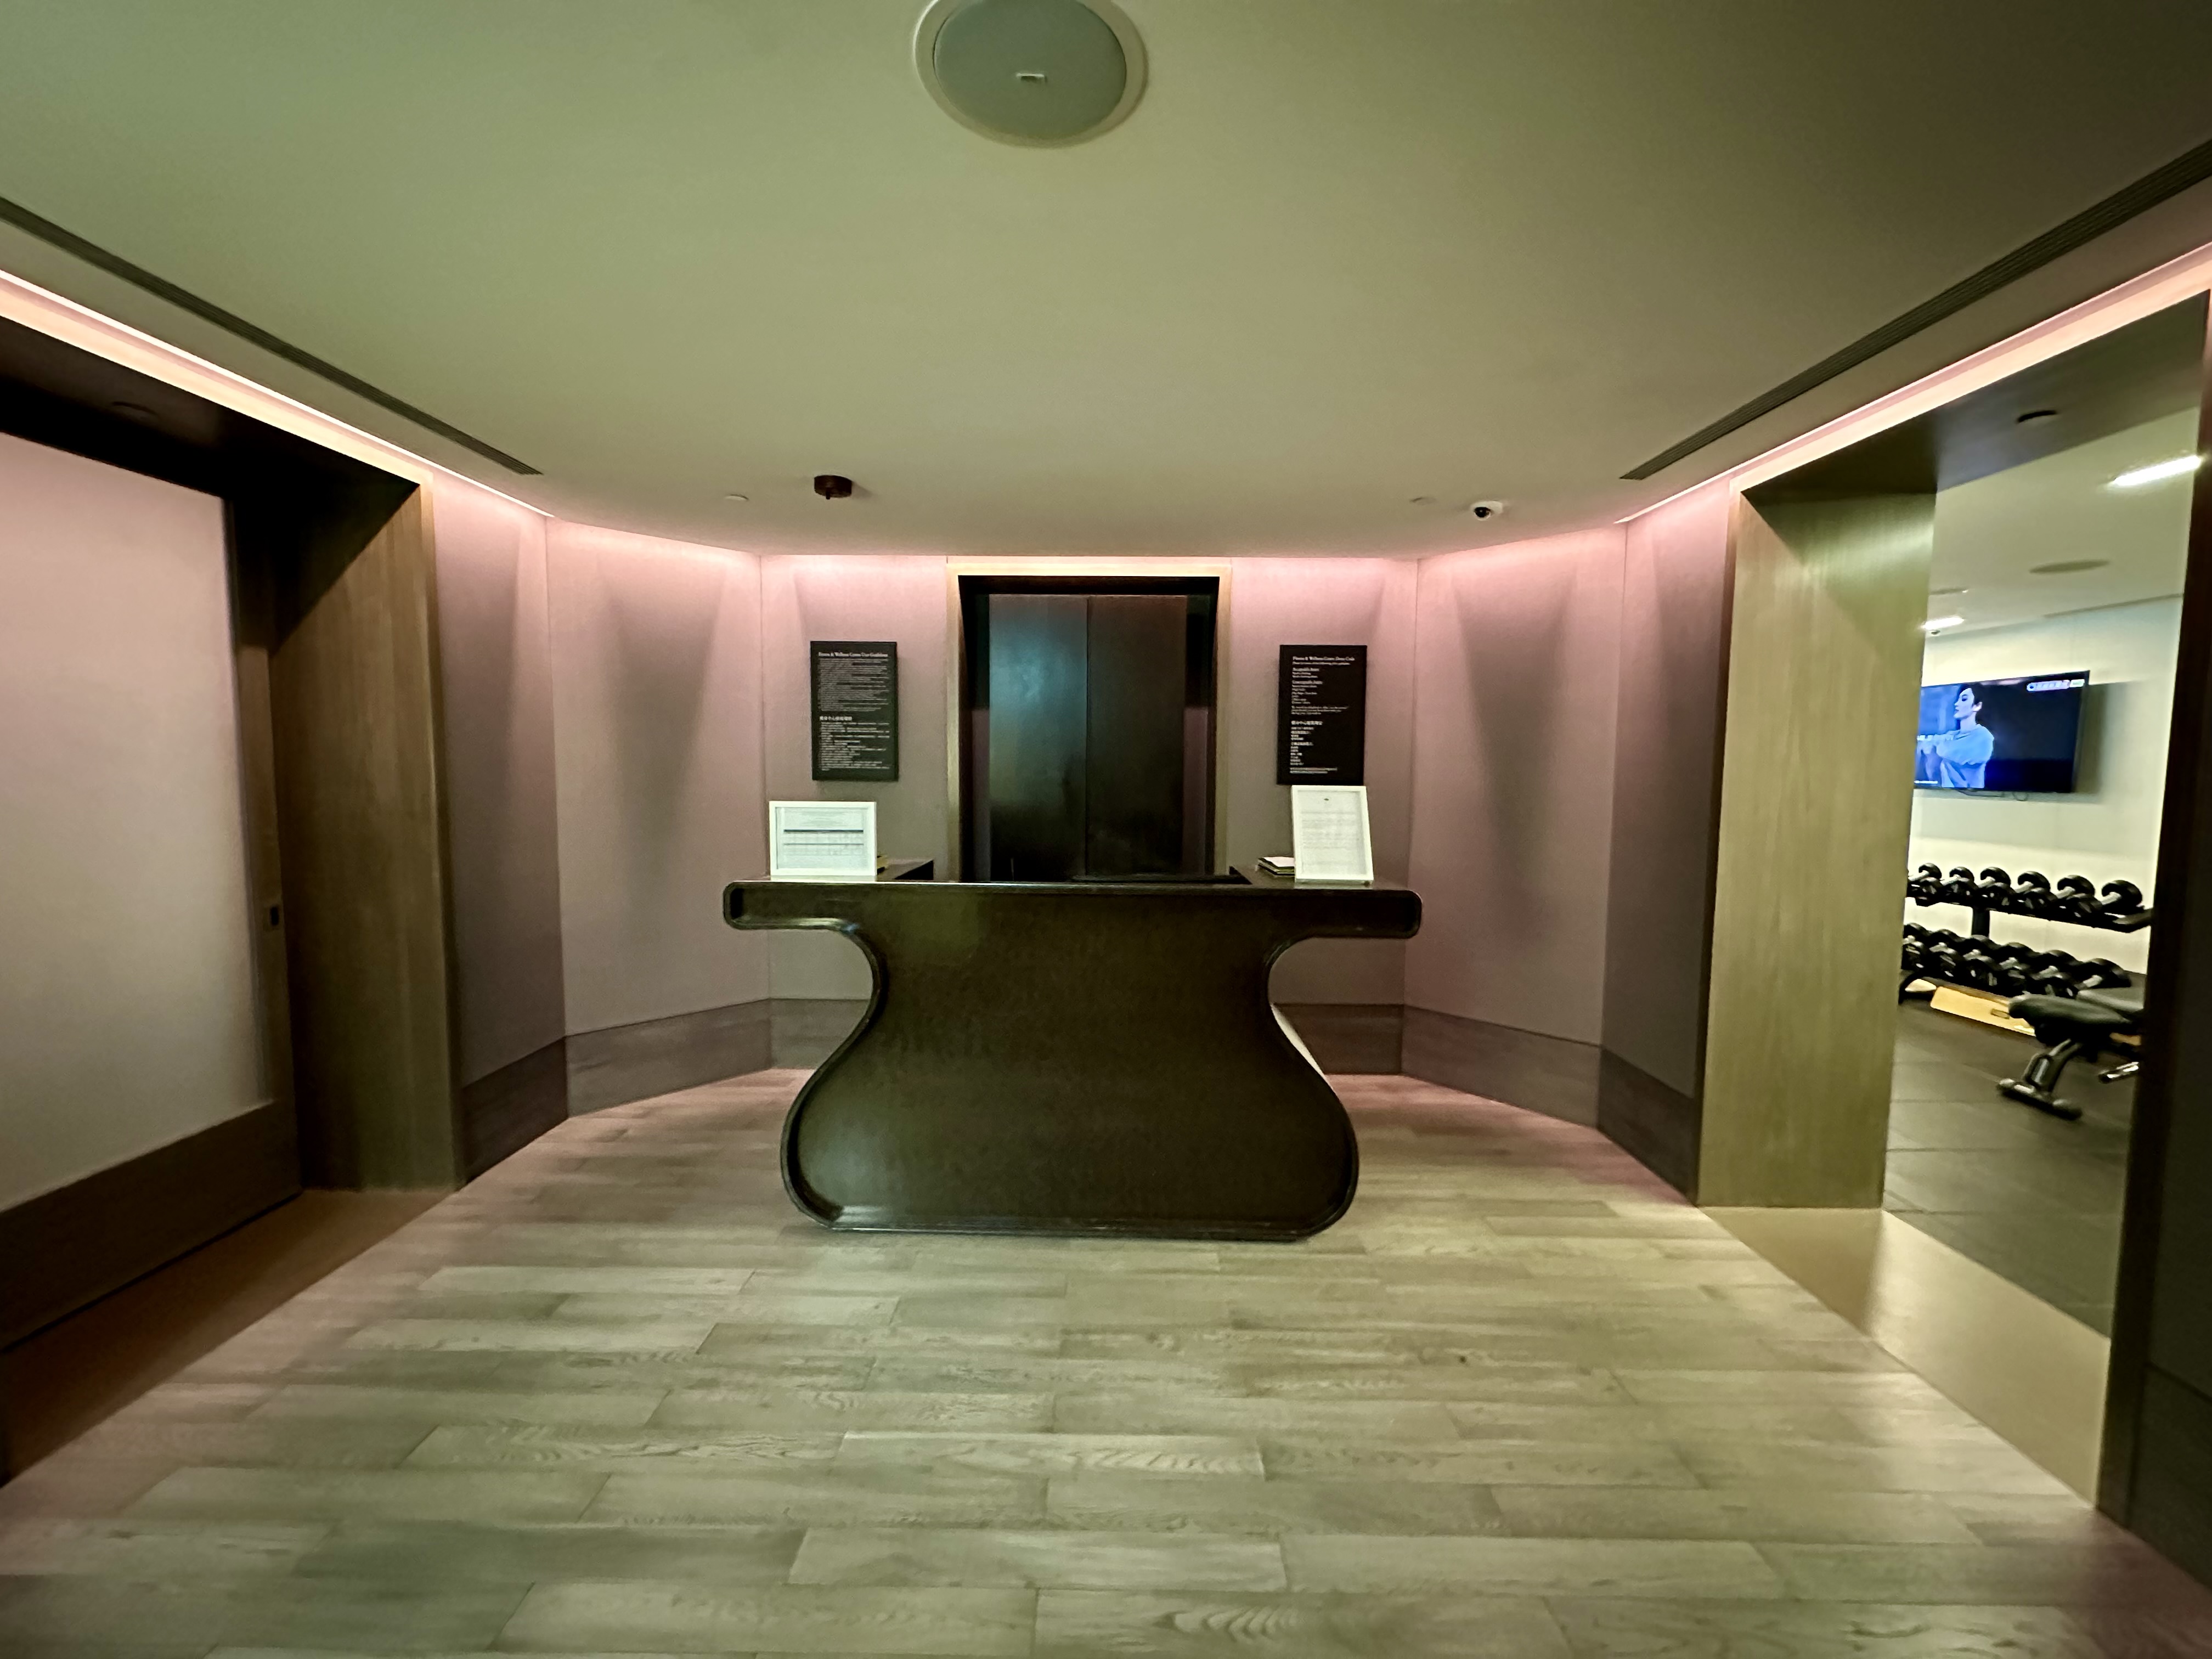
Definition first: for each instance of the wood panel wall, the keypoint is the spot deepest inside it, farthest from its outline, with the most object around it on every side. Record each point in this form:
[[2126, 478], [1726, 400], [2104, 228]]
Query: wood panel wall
[[355, 704], [1823, 678]]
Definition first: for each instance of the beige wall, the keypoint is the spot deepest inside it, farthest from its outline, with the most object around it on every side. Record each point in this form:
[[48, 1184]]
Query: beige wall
[[496, 682], [1518, 652], [127, 1001], [656, 668]]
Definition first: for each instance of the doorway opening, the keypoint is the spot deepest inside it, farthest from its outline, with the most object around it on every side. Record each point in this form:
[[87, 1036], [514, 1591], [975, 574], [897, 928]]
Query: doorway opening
[[1087, 727]]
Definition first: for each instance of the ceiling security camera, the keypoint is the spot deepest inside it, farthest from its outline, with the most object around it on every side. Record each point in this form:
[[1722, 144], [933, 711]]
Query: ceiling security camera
[[1488, 509]]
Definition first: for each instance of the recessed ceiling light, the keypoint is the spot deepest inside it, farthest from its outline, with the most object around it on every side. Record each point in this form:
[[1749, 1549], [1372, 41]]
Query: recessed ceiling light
[[2067, 567], [2157, 470], [733, 496], [1937, 624], [2028, 417]]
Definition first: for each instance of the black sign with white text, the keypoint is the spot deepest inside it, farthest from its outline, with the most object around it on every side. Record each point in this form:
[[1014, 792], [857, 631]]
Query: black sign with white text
[[855, 707], [1320, 715]]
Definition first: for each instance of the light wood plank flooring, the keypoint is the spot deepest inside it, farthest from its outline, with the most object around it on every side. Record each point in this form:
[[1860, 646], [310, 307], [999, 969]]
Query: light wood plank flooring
[[618, 1397]]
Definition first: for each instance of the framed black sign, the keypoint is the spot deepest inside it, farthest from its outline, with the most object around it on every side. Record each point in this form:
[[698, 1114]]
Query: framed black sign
[[854, 699], [1320, 715]]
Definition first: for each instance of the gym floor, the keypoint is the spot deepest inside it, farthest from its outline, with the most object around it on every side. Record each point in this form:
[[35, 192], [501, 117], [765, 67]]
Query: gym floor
[[2032, 1198]]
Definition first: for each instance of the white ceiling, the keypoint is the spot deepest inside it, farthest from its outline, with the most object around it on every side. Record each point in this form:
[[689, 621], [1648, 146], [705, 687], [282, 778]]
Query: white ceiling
[[1991, 533], [1344, 253]]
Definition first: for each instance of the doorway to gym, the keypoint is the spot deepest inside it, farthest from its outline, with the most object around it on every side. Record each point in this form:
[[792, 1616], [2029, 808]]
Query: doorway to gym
[[2060, 542]]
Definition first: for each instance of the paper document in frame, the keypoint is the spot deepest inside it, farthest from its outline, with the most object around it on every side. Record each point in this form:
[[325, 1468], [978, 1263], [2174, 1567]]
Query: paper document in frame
[[1330, 839], [822, 841]]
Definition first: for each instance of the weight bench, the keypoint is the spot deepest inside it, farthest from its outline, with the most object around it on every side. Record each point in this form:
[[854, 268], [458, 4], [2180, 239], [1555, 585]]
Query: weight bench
[[2070, 1028]]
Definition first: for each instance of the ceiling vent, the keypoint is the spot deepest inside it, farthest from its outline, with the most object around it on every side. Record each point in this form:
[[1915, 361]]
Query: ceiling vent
[[1031, 71]]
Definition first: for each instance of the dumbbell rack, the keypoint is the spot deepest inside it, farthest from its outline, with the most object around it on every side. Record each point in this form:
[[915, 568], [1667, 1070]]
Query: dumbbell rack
[[2131, 921], [2076, 902]]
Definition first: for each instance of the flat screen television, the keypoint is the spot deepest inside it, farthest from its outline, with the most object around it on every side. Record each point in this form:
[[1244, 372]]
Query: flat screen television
[[2001, 737]]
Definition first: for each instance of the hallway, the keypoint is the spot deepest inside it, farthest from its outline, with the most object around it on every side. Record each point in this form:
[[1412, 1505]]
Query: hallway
[[618, 1397]]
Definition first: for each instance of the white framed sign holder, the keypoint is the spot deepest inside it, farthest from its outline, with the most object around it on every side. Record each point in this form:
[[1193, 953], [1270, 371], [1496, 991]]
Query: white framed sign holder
[[1330, 839], [822, 841]]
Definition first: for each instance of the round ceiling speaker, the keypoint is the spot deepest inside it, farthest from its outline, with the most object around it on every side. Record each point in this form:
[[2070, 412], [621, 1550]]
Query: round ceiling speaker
[[1031, 71]]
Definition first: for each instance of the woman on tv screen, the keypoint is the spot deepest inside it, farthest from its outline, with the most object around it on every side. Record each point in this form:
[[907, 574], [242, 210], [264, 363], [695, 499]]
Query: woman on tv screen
[[1959, 758]]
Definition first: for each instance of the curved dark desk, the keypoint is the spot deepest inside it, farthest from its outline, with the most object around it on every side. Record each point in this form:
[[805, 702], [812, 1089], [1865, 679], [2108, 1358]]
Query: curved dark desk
[[1094, 1058]]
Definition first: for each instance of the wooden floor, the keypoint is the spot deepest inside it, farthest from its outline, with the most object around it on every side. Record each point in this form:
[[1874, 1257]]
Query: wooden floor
[[617, 1397]]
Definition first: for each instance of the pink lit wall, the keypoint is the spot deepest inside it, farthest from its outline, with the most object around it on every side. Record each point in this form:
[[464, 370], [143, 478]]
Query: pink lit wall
[[1513, 761], [1273, 602], [888, 597], [1673, 652], [1278, 602], [496, 675], [656, 664], [128, 1014]]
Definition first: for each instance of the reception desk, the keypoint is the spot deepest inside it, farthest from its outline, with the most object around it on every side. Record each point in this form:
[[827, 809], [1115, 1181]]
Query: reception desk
[[1072, 1058]]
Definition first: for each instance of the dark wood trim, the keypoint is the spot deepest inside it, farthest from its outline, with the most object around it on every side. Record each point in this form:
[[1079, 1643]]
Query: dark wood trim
[[2170, 1489], [2161, 1318], [72, 1246], [1555, 1075], [1658, 1125], [505, 1110], [353, 687], [622, 1063]]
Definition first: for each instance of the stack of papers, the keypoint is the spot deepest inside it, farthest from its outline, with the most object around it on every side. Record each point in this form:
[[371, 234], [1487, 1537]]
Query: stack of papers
[[1278, 866]]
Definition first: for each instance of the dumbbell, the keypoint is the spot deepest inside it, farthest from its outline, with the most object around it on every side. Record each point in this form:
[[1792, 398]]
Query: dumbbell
[[2031, 893], [1925, 884], [1993, 889], [2075, 899], [2054, 974], [2101, 974], [2013, 974], [1958, 886], [2122, 898], [1941, 954]]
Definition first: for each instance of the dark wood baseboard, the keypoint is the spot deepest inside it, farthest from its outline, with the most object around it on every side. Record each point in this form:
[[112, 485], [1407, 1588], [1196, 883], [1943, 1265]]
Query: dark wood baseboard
[[622, 1063], [1351, 1038], [74, 1245], [1655, 1124], [1555, 1075], [505, 1110], [2168, 1505]]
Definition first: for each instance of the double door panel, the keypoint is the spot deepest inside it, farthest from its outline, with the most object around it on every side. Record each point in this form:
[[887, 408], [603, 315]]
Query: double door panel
[[1092, 763]]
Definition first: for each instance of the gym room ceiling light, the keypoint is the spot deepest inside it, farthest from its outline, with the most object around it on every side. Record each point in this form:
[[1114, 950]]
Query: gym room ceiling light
[[2157, 471]]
